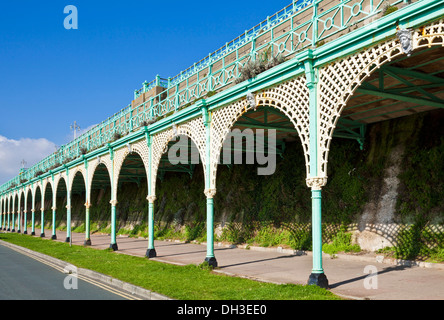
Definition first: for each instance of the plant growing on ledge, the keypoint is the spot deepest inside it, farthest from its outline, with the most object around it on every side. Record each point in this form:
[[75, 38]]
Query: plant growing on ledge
[[264, 62], [116, 136], [389, 9], [146, 123], [38, 173]]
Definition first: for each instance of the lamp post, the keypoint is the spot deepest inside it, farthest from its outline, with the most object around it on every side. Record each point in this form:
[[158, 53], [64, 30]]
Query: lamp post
[[75, 128]]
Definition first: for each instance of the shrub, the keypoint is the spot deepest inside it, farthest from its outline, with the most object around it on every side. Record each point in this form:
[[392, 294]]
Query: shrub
[[341, 243]]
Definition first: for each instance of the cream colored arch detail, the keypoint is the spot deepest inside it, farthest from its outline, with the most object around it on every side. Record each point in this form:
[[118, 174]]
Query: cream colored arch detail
[[141, 148], [193, 129], [72, 173], [291, 98], [339, 80], [92, 166]]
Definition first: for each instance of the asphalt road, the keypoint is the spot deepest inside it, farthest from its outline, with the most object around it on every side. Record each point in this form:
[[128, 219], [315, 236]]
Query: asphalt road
[[25, 278]]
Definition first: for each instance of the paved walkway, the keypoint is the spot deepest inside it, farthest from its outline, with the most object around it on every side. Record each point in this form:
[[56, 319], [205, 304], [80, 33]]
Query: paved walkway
[[347, 275]]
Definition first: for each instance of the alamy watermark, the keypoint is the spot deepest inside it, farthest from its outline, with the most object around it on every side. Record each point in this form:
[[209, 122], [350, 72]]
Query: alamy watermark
[[371, 281], [71, 21], [239, 147], [70, 281]]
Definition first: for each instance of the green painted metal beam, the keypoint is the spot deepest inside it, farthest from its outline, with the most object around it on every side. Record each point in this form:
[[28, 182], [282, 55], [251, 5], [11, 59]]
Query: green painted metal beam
[[405, 98]]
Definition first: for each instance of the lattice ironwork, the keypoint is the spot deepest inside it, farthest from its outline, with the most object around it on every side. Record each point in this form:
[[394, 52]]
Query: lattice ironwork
[[338, 81], [291, 98], [193, 129]]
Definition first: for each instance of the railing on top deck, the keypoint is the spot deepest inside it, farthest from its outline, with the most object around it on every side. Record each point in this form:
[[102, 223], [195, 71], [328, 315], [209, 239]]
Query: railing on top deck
[[302, 24]]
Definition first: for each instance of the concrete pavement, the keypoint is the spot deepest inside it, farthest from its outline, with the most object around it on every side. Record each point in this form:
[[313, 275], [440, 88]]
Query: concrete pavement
[[365, 276]]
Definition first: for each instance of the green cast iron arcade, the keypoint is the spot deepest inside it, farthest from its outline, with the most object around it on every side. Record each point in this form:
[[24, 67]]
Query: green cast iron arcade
[[317, 69]]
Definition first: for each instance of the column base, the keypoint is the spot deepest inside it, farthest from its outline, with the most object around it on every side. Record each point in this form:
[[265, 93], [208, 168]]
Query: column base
[[53, 237], [150, 253], [113, 246], [13, 230], [68, 239], [42, 235], [32, 233], [87, 242], [318, 279], [212, 262], [25, 232], [18, 231]]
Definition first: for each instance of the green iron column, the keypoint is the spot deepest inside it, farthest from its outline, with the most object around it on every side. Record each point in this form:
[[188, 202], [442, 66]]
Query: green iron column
[[68, 209], [151, 251], [13, 217], [54, 210], [210, 190], [113, 244], [87, 241], [113, 202], [42, 227], [25, 211], [42, 219], [68, 219], [33, 220], [317, 276], [19, 221]]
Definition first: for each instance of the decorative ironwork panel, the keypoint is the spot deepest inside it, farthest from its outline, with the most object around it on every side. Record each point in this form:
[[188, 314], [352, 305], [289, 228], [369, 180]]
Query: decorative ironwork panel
[[291, 98], [339, 80], [194, 129]]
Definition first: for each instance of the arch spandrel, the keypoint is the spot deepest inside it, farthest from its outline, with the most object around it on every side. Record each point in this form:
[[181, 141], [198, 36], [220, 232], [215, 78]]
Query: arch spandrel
[[291, 98], [141, 148], [193, 129], [338, 81], [72, 173], [57, 178], [92, 166]]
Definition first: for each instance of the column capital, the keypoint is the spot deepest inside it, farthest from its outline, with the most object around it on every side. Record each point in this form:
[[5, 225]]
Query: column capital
[[113, 202], [210, 193], [316, 183], [151, 198], [87, 205]]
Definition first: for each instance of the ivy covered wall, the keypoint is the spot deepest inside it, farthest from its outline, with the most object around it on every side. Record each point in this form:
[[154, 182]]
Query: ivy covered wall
[[392, 189]]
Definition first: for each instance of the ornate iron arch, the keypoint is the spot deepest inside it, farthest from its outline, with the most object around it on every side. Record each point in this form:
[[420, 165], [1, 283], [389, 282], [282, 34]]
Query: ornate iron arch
[[194, 129], [338, 81], [291, 98]]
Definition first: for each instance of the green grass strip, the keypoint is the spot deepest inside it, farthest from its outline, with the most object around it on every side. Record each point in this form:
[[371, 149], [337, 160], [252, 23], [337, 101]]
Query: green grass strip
[[190, 282]]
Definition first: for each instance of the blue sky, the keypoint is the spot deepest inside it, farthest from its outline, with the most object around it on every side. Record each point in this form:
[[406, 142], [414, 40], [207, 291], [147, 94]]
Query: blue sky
[[51, 76]]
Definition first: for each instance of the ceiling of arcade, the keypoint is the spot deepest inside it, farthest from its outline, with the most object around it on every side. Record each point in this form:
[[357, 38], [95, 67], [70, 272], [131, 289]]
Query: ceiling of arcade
[[403, 87]]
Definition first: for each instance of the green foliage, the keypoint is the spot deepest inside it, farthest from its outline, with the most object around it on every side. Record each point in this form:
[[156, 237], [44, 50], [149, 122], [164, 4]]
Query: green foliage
[[275, 210], [389, 9], [269, 236], [341, 243], [437, 255], [266, 60]]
